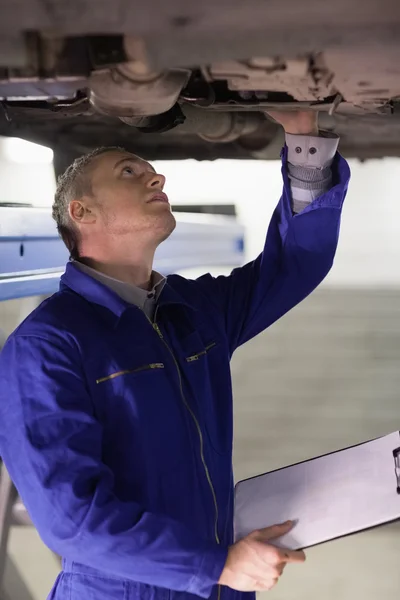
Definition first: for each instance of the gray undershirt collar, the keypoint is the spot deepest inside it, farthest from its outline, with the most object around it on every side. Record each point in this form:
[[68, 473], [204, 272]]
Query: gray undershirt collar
[[144, 299]]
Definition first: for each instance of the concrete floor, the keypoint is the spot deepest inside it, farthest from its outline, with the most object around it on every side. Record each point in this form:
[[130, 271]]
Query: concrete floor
[[325, 377]]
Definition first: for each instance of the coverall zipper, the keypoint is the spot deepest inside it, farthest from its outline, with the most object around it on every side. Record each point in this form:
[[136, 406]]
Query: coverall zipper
[[189, 409], [206, 470]]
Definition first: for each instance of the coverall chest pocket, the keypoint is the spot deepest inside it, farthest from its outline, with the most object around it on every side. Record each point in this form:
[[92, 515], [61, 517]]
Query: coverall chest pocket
[[124, 364], [205, 371], [130, 369], [132, 393]]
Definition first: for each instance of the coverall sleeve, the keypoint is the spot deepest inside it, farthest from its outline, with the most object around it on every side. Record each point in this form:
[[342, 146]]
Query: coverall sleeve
[[51, 444], [297, 255]]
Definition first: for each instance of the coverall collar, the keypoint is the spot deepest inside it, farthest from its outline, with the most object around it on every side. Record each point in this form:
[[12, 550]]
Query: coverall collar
[[92, 290]]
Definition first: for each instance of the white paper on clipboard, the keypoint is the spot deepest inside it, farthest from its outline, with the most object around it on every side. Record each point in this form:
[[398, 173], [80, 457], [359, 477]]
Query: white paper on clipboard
[[328, 497]]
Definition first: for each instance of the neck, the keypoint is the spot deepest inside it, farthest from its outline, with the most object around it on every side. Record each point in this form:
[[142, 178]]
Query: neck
[[139, 275], [133, 268]]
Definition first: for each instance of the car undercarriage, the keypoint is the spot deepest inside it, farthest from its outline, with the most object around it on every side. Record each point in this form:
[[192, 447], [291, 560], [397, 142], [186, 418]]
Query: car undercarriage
[[185, 80]]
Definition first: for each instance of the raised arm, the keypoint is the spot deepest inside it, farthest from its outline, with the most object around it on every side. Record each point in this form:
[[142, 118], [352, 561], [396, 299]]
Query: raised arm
[[301, 240]]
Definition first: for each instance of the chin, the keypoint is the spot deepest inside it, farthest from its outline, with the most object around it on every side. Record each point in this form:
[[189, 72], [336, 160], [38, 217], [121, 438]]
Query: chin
[[166, 226]]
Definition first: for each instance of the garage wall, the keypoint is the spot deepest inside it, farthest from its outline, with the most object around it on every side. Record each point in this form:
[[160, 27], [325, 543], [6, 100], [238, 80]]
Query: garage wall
[[369, 250], [26, 173], [324, 377]]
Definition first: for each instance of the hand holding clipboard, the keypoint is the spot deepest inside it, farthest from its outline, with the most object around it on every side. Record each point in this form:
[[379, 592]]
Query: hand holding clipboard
[[328, 497]]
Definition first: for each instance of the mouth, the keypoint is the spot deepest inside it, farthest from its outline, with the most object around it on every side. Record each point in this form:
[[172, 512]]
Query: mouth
[[159, 197]]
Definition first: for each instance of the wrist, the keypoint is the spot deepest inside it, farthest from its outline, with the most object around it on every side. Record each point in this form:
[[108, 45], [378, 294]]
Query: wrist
[[226, 576], [311, 131]]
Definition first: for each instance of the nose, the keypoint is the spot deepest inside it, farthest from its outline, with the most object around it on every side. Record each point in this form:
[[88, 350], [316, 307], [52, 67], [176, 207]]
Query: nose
[[156, 181]]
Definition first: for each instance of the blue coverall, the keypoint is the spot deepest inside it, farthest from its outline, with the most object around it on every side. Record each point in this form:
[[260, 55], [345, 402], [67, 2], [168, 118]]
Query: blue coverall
[[118, 432]]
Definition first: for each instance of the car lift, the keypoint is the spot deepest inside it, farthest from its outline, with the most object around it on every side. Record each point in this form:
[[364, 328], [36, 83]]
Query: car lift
[[32, 259], [32, 256]]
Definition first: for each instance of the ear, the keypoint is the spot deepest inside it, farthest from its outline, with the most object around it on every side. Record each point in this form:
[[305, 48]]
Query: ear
[[82, 212]]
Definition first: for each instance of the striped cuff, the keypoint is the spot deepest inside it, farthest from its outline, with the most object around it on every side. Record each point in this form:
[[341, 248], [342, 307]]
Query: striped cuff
[[309, 167]]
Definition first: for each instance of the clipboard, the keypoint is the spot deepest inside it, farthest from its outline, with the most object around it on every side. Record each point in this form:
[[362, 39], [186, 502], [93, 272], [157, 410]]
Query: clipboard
[[328, 497]]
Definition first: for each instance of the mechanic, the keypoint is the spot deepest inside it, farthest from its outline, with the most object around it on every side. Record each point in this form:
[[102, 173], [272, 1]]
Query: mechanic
[[116, 398]]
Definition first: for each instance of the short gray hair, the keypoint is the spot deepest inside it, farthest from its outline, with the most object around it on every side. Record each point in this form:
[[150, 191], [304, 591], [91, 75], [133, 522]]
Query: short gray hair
[[73, 184]]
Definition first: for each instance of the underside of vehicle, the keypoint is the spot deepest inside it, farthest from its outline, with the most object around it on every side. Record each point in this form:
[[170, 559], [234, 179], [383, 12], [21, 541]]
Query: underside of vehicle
[[172, 80]]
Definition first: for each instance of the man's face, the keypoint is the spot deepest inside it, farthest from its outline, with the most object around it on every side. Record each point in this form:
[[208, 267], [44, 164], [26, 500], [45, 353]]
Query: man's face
[[128, 197]]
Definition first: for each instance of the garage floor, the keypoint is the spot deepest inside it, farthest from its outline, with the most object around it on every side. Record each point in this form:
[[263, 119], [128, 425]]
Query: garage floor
[[324, 377]]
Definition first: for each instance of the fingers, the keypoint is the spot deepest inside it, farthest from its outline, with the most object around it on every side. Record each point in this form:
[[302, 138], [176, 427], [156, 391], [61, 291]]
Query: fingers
[[264, 585], [275, 573], [296, 122], [274, 531], [279, 556], [273, 554], [294, 556], [279, 569], [254, 564], [268, 581]]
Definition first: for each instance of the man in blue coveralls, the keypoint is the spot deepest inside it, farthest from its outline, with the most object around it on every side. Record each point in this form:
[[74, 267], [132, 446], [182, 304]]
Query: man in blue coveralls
[[116, 398]]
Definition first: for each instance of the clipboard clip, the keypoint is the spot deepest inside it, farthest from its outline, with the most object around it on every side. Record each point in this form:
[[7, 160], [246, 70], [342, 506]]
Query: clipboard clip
[[396, 456]]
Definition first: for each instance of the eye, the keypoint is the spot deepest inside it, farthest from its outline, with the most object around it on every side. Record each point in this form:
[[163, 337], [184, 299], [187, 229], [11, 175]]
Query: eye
[[128, 170]]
